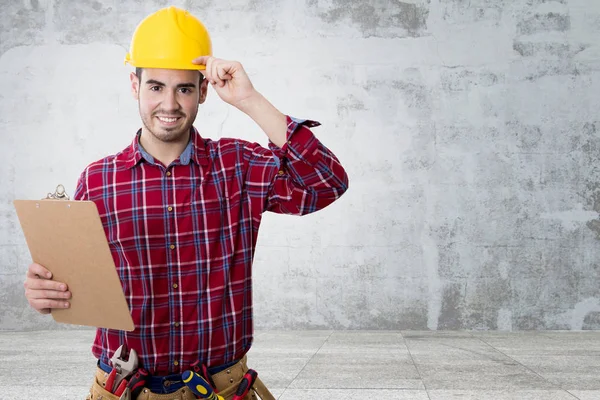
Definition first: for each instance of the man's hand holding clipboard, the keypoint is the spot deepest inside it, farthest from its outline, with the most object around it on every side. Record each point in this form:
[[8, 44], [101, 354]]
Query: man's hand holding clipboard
[[73, 275], [44, 294]]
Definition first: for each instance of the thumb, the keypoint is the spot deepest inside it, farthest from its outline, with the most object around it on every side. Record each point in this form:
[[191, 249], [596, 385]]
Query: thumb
[[38, 270]]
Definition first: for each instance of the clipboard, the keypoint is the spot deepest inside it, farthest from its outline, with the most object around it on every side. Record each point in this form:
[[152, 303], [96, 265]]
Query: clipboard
[[67, 238]]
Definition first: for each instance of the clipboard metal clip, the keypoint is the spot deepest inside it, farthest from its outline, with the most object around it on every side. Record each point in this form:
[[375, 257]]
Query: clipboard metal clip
[[59, 194]]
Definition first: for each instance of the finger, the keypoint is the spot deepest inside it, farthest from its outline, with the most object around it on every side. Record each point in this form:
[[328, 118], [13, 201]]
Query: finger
[[223, 73], [46, 294], [208, 71], [206, 74], [37, 270], [45, 284], [48, 304], [202, 60], [215, 73]]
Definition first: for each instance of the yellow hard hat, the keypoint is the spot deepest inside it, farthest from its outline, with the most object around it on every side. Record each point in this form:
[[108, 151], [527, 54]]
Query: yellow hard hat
[[170, 38]]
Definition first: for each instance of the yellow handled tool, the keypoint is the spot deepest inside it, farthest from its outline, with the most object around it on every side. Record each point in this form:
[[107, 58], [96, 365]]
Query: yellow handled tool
[[199, 386]]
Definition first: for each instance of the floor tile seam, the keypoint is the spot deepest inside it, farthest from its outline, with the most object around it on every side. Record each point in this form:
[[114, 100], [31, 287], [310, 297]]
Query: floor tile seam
[[307, 362], [395, 389], [528, 369], [571, 394], [46, 385], [415, 365]]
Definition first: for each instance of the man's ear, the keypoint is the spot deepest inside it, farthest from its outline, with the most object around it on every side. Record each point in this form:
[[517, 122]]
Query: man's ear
[[203, 91], [135, 86]]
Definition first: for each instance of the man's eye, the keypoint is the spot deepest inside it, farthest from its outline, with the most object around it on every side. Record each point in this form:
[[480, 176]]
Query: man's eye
[[185, 90], [155, 88]]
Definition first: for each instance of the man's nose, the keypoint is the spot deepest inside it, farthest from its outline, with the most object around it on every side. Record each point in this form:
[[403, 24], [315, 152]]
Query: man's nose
[[170, 101]]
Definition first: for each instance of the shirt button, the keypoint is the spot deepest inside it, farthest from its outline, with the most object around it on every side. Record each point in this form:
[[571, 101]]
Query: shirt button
[[170, 208], [168, 173], [176, 324], [281, 172], [175, 363], [172, 247], [174, 286]]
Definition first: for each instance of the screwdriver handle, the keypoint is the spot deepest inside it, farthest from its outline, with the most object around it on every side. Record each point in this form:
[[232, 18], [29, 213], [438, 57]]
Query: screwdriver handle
[[138, 381], [202, 370], [245, 385], [199, 386]]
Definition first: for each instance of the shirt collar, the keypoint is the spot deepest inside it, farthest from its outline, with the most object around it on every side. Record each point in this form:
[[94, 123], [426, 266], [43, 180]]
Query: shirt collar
[[194, 151]]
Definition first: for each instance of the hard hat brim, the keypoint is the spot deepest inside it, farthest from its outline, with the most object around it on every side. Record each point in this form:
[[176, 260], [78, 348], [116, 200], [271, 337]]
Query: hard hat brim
[[163, 64]]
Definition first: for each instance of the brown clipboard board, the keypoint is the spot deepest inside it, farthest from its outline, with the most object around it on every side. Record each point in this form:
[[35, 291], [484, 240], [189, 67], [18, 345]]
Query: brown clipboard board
[[67, 238]]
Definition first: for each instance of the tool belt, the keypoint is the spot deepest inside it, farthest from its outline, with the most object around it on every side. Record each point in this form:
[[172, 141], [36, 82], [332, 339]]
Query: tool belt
[[226, 383]]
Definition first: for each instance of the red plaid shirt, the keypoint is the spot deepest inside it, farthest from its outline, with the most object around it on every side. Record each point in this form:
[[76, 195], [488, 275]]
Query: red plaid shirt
[[183, 237]]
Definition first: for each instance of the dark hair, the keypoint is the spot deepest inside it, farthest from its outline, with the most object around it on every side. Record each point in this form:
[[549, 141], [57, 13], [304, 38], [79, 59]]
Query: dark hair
[[138, 72]]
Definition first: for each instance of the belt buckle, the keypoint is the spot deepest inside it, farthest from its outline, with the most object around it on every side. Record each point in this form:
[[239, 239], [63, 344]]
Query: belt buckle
[[169, 380]]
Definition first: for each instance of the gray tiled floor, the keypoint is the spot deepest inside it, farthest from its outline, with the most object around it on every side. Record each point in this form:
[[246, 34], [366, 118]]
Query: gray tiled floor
[[348, 365]]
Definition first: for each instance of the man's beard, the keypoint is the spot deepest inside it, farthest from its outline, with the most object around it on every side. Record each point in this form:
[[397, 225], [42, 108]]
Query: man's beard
[[166, 134]]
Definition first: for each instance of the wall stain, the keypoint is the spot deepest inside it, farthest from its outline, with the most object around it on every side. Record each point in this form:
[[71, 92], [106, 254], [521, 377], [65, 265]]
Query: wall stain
[[544, 23], [594, 226], [452, 307], [564, 67], [535, 49], [21, 25], [348, 104], [469, 11], [590, 147], [459, 79], [539, 2], [380, 18], [591, 321]]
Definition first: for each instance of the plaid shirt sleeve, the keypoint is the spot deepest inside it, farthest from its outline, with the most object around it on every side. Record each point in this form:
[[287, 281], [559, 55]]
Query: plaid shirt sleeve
[[299, 178], [81, 190]]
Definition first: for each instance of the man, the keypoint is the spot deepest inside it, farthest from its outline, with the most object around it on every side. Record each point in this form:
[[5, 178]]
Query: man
[[181, 212]]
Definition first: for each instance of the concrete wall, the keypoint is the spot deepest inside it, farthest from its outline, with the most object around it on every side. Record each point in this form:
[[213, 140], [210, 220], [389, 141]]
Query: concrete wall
[[469, 129]]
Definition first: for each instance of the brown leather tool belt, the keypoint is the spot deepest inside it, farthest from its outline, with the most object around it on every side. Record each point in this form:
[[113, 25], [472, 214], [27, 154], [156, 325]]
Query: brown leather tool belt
[[226, 383]]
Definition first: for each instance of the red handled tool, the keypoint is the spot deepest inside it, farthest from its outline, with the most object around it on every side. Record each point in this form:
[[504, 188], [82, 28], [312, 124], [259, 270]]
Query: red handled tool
[[138, 381], [245, 385], [110, 380], [119, 391], [126, 395]]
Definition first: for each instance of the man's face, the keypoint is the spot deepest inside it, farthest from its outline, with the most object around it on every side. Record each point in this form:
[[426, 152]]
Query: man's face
[[168, 101]]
